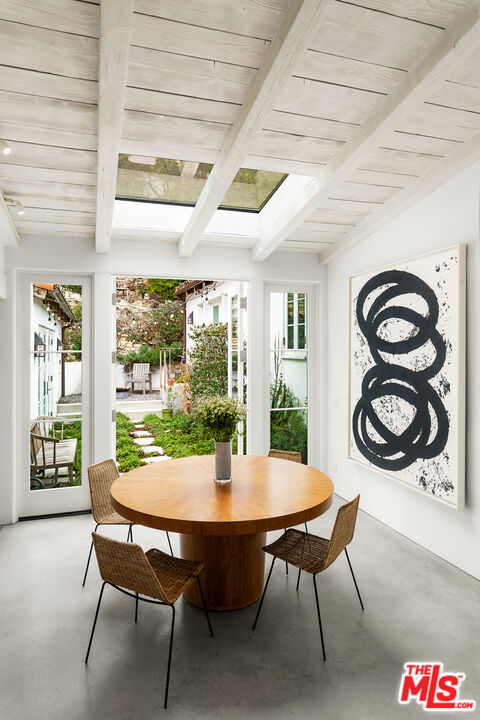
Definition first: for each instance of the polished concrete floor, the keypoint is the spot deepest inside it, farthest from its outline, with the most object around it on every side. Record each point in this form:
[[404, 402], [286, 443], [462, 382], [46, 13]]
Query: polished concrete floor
[[417, 607]]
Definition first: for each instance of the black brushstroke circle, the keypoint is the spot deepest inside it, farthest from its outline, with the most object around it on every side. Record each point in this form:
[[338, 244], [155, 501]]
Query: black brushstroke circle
[[388, 379]]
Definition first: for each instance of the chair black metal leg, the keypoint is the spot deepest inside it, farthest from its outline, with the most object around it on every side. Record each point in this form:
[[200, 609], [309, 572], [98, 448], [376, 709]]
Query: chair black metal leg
[[169, 657], [95, 622], [298, 578], [263, 594], [169, 543], [319, 618], [204, 605], [353, 576], [88, 561], [130, 534], [136, 607], [306, 528], [286, 564]]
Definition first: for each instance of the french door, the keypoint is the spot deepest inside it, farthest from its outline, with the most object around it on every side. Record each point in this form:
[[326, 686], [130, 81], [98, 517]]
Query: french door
[[290, 389], [54, 389]]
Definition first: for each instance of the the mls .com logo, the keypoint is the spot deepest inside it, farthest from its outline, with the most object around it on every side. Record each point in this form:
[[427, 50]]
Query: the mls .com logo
[[431, 687]]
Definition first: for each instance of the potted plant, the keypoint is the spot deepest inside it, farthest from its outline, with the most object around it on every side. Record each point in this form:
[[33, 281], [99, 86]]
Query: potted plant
[[168, 411], [219, 417]]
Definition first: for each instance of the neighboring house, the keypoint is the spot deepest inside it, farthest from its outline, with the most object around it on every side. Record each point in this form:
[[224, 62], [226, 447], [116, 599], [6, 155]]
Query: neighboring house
[[51, 314], [207, 302], [288, 322]]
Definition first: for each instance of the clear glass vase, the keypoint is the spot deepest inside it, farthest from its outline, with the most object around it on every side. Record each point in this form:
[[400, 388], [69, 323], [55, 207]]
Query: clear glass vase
[[223, 462]]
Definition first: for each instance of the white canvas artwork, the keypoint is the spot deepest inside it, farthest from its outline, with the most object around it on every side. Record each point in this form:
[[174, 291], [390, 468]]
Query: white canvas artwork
[[407, 372]]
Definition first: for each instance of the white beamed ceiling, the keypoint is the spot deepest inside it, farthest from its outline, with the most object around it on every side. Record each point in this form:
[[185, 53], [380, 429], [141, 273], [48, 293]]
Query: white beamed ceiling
[[190, 66]]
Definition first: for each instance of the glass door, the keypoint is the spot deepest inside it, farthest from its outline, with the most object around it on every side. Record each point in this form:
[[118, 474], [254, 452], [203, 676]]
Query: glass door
[[237, 356], [290, 374], [54, 401]]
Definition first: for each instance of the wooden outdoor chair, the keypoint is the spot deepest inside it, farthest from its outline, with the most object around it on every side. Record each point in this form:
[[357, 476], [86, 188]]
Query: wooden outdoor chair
[[100, 478], [159, 577], [315, 554], [50, 453], [293, 456], [140, 374]]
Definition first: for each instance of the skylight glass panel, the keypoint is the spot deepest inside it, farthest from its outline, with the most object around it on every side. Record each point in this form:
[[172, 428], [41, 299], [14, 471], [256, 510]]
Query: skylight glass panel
[[180, 182]]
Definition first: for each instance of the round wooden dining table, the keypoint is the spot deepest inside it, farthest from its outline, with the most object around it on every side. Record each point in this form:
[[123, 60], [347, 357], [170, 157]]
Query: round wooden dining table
[[224, 525]]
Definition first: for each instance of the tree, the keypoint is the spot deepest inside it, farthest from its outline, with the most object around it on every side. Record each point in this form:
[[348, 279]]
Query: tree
[[160, 327], [163, 288], [209, 360]]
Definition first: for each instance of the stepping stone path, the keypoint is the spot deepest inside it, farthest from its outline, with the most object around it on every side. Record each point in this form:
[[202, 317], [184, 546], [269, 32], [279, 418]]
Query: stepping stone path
[[144, 438]]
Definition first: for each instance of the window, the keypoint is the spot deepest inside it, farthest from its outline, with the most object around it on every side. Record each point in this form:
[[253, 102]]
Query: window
[[216, 313], [289, 406], [180, 182], [295, 336]]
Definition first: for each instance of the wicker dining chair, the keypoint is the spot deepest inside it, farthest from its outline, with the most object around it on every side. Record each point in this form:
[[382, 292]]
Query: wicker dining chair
[[100, 478], [315, 554], [160, 577], [293, 457]]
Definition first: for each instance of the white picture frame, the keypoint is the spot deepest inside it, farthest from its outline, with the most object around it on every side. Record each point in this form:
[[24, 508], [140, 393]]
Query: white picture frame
[[416, 436]]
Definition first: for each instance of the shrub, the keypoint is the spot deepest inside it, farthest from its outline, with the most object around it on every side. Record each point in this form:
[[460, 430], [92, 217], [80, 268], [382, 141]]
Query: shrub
[[209, 360], [129, 454], [288, 428]]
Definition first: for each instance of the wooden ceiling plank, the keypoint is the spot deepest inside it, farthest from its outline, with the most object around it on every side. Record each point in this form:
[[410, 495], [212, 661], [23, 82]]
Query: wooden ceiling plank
[[255, 19], [25, 172], [309, 126], [48, 51], [162, 34], [47, 112], [439, 13], [373, 37], [450, 49], [47, 156], [315, 65], [298, 27], [116, 18], [66, 16], [179, 105], [47, 189], [47, 136], [440, 174], [66, 217], [184, 66], [294, 147], [29, 82]]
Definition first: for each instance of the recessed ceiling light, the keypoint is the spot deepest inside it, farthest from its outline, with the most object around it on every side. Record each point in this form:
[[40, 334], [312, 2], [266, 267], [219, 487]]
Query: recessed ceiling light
[[5, 148], [19, 208]]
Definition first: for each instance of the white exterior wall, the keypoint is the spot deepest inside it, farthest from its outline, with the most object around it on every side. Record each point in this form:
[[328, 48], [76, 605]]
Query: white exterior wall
[[40, 319], [448, 216], [202, 306]]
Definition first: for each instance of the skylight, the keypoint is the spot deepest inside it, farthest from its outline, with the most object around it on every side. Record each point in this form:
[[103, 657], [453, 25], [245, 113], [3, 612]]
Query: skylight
[[180, 182]]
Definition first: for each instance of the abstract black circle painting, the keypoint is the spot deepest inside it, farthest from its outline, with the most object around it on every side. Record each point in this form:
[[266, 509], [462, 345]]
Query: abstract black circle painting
[[407, 374]]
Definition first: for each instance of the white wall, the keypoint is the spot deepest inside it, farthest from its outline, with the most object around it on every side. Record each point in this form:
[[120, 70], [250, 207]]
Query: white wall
[[73, 378], [138, 259], [448, 216]]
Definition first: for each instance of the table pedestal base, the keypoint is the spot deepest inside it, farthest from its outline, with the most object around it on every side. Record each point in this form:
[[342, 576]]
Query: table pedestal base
[[234, 569]]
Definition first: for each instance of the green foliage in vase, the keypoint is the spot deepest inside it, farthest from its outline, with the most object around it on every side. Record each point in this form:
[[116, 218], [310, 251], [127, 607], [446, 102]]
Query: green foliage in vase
[[219, 416]]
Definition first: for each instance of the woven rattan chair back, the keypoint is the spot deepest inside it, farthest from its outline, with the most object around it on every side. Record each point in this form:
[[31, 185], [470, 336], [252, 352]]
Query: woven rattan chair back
[[126, 565], [343, 530], [286, 455], [100, 478]]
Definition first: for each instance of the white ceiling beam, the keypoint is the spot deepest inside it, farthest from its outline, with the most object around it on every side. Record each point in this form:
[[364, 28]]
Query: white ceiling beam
[[115, 28], [455, 44], [8, 231], [440, 173], [299, 26]]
